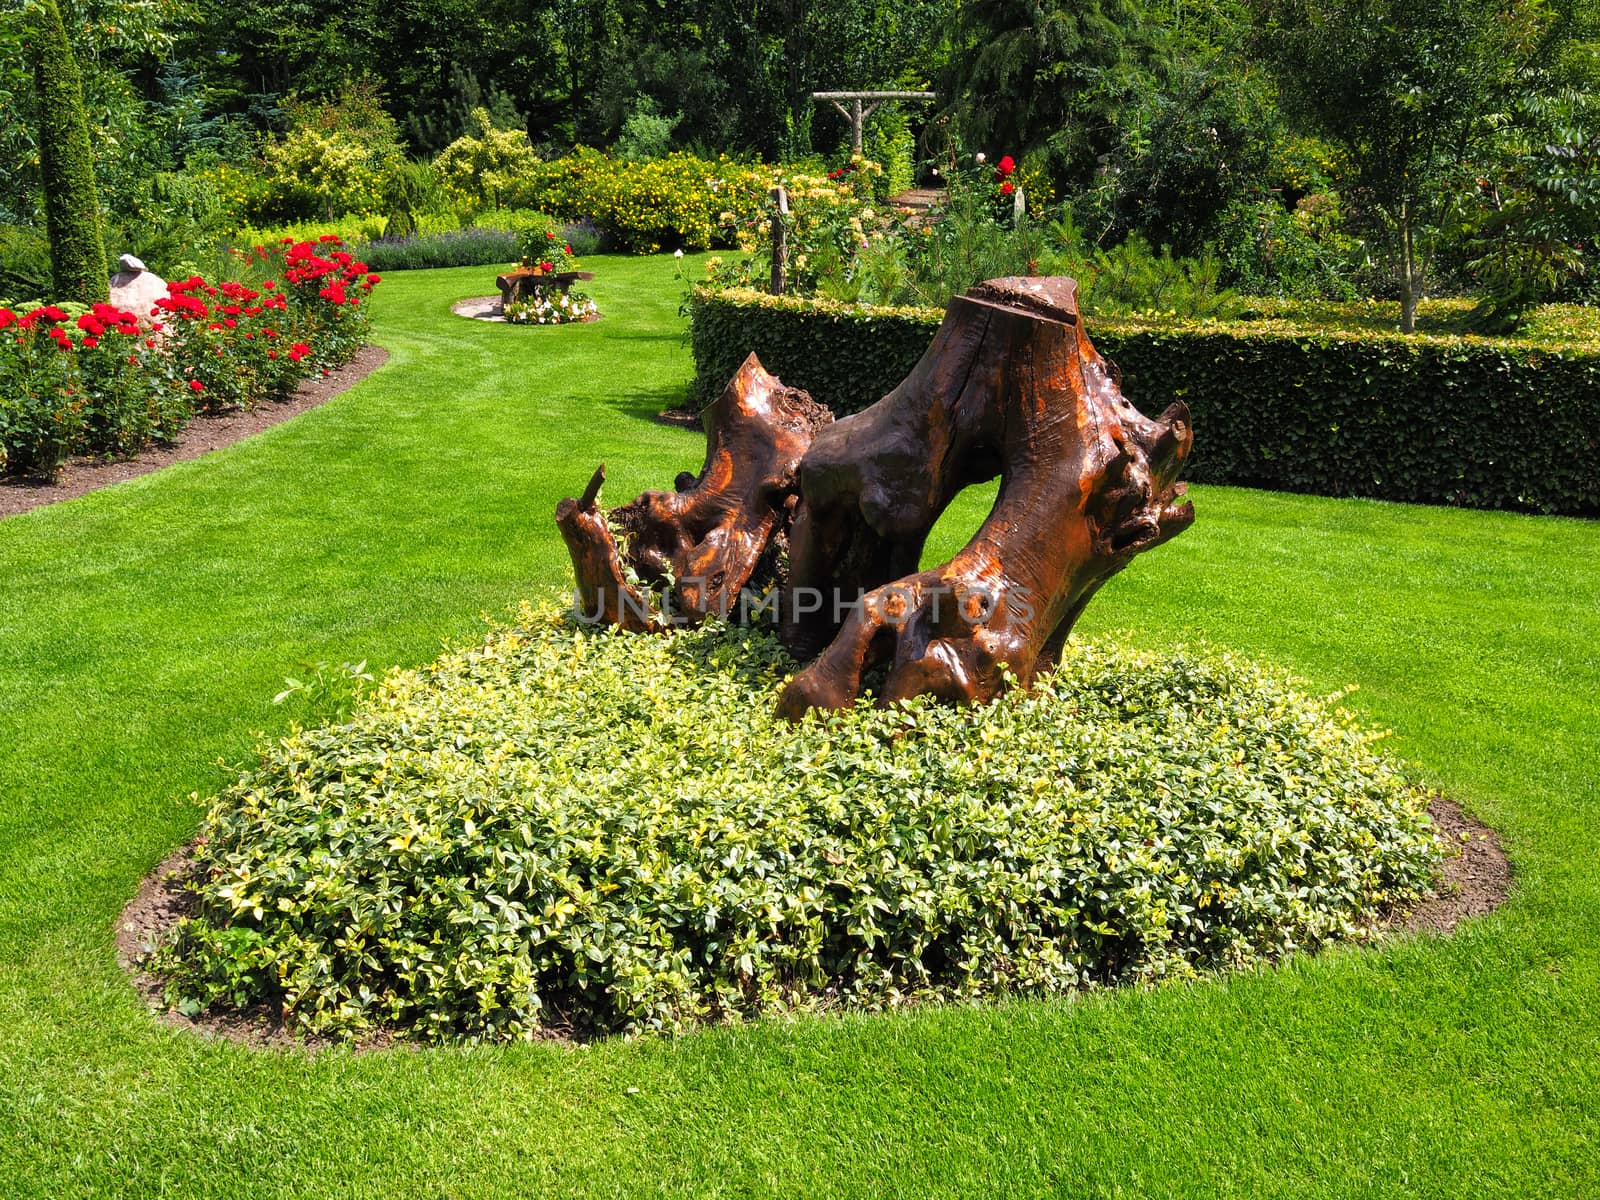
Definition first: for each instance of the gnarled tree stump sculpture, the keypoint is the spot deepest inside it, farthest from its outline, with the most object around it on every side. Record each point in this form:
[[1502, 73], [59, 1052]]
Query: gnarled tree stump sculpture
[[1011, 386], [719, 532]]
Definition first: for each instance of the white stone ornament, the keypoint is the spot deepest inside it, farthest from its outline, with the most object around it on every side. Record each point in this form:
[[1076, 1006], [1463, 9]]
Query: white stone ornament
[[136, 289]]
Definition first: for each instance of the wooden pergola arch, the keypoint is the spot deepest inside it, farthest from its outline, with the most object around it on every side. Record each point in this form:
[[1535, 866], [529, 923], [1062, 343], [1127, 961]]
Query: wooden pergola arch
[[862, 106]]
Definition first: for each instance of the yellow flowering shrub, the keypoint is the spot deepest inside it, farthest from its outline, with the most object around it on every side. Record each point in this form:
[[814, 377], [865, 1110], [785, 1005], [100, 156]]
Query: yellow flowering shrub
[[482, 167], [680, 200]]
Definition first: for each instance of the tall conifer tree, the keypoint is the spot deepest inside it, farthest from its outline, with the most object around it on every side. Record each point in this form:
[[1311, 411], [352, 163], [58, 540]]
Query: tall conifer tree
[[71, 200]]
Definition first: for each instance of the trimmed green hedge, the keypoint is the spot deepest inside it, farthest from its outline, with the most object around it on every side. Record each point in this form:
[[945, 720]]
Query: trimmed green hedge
[[1338, 407], [845, 355]]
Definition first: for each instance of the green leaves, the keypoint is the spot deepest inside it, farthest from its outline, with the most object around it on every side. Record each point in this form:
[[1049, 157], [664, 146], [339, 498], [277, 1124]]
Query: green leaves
[[597, 832]]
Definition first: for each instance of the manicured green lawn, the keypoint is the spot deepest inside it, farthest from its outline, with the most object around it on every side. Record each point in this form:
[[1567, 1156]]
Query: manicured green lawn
[[144, 629]]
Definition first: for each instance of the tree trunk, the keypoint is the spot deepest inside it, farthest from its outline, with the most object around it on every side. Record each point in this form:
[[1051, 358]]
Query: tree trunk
[[718, 532], [1410, 283]]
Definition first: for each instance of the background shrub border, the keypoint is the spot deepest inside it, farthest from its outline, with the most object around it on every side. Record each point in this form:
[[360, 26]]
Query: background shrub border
[[1329, 407]]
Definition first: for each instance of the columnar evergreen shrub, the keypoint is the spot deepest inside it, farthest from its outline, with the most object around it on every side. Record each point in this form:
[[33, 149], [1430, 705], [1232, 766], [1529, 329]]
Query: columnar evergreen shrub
[[72, 202]]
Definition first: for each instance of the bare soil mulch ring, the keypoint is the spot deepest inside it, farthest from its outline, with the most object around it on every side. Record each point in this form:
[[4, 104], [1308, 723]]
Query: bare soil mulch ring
[[205, 433], [1476, 881]]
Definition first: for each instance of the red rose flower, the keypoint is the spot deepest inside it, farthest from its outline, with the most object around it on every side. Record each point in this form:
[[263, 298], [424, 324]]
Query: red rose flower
[[1005, 166], [89, 343], [1006, 189], [196, 386]]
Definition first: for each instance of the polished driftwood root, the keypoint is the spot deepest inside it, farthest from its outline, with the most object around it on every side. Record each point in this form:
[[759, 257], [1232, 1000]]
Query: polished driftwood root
[[1011, 386], [604, 594], [721, 531]]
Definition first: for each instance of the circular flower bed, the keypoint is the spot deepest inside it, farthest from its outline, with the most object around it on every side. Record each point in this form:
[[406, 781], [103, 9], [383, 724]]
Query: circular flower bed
[[572, 831], [551, 306]]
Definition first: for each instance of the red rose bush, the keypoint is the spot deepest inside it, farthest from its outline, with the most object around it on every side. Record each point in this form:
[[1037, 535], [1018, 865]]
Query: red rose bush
[[108, 381]]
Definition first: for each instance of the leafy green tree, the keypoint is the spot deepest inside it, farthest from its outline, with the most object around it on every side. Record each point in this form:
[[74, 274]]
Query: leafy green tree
[[740, 74], [430, 129], [1538, 207], [1406, 88], [1199, 140], [1532, 230], [19, 153], [71, 200], [1044, 76]]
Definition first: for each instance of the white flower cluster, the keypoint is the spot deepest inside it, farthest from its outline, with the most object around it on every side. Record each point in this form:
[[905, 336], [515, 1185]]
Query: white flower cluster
[[551, 307]]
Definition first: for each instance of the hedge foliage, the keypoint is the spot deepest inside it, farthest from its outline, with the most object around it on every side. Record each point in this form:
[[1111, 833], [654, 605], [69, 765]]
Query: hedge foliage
[[845, 355], [1327, 400], [581, 831], [66, 164]]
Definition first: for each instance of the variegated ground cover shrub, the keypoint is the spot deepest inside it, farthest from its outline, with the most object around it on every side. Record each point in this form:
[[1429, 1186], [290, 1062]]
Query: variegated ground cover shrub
[[565, 830]]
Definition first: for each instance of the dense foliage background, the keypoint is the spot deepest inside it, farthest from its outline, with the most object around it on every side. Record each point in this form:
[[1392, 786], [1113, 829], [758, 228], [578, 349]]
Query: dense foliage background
[[1314, 148]]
